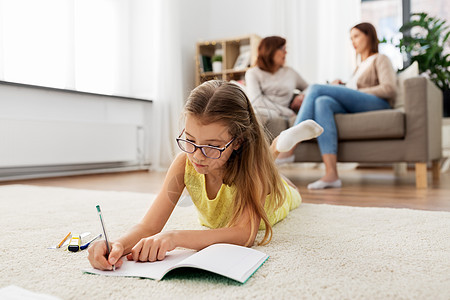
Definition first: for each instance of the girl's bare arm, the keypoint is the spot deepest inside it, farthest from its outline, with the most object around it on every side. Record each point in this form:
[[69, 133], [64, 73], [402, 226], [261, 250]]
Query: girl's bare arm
[[156, 247], [161, 208], [151, 224]]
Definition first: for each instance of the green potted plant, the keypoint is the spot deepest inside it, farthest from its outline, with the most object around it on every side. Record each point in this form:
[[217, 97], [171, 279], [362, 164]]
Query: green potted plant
[[217, 63], [423, 40]]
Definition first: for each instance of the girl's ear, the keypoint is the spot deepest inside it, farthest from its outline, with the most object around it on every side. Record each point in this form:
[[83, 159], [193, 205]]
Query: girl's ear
[[237, 144]]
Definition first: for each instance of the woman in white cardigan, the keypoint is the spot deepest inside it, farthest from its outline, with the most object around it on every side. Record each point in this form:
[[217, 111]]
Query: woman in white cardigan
[[372, 87]]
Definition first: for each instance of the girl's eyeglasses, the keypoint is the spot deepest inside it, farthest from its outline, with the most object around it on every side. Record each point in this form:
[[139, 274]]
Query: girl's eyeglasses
[[208, 151]]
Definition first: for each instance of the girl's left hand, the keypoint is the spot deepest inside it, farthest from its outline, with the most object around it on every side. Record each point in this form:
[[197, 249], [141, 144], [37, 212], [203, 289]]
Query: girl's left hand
[[153, 248]]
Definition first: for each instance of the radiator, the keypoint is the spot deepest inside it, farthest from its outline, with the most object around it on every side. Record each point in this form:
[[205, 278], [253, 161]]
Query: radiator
[[30, 143]]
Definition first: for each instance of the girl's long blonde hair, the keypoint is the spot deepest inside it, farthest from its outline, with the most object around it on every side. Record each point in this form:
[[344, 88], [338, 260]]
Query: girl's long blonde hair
[[251, 168]]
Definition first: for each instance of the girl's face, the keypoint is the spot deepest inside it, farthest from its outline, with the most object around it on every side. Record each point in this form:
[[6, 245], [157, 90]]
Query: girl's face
[[360, 41], [279, 57], [214, 134]]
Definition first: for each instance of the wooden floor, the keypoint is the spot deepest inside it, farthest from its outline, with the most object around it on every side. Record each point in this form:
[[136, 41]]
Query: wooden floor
[[374, 187]]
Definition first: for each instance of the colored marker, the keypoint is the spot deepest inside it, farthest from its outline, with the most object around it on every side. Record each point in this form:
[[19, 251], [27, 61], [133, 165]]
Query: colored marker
[[82, 247], [75, 243]]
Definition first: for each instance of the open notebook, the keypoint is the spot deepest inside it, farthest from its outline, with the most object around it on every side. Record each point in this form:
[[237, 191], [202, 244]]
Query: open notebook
[[232, 261]]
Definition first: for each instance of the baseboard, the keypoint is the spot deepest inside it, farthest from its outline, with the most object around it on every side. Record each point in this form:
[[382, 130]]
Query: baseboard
[[20, 173]]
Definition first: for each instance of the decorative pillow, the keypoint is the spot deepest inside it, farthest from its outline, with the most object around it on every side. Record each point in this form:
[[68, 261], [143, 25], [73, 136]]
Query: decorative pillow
[[409, 72]]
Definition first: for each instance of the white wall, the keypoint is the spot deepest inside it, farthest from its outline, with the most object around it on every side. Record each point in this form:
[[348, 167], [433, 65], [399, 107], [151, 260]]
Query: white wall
[[317, 32], [20, 103], [216, 19], [83, 114], [195, 22], [235, 18]]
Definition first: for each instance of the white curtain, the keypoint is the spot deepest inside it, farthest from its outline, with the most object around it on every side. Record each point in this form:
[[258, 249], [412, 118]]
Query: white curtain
[[168, 98], [71, 44], [318, 36]]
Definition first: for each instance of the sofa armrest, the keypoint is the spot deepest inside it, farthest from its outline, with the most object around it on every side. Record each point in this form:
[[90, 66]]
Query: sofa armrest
[[274, 126], [423, 109]]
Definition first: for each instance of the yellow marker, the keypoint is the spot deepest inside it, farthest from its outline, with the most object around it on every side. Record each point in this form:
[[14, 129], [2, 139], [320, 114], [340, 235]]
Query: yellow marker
[[75, 243], [64, 239]]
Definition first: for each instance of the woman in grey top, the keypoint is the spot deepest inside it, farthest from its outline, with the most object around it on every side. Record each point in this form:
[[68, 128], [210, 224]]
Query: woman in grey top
[[271, 84]]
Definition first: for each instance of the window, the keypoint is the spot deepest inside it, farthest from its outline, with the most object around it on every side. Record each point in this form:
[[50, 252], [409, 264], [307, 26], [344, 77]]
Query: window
[[434, 8], [386, 16], [32, 41], [73, 44]]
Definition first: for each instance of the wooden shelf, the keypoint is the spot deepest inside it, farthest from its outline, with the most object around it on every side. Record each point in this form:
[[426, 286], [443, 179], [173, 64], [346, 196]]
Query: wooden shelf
[[230, 71], [230, 49], [236, 71]]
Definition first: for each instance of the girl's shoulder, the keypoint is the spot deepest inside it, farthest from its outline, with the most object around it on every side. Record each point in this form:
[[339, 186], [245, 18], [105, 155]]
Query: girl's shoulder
[[180, 159], [174, 181], [178, 165]]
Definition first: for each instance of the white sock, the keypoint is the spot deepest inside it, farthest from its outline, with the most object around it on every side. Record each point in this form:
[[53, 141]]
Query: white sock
[[303, 131], [320, 185], [285, 160]]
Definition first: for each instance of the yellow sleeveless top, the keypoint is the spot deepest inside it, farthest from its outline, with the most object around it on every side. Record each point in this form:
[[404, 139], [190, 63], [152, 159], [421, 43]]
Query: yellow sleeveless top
[[217, 212]]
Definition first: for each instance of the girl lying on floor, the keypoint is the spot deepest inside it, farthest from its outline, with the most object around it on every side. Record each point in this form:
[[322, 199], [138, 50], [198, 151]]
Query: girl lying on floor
[[228, 168]]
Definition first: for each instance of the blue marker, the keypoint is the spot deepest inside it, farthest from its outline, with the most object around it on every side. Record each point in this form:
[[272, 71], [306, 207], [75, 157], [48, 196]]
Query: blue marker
[[84, 246]]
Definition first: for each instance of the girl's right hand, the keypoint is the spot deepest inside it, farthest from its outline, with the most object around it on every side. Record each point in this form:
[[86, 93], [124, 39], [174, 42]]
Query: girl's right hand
[[97, 255]]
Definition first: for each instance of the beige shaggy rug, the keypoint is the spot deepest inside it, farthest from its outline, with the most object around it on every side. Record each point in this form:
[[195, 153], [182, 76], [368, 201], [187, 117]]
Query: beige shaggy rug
[[318, 252]]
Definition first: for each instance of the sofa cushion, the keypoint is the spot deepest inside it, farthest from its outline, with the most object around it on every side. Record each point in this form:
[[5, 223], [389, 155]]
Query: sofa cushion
[[409, 72], [273, 126], [380, 124]]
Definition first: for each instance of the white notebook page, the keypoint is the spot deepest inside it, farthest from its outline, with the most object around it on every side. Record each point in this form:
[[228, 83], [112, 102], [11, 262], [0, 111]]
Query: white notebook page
[[154, 270], [228, 260]]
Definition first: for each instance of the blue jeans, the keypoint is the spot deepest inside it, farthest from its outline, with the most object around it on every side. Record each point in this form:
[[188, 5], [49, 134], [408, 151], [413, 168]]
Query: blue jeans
[[323, 101]]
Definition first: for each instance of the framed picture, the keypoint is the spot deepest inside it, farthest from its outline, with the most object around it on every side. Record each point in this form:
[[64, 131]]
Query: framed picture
[[243, 61]]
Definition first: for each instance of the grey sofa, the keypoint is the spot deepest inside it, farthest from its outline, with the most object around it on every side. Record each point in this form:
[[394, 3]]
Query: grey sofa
[[411, 133]]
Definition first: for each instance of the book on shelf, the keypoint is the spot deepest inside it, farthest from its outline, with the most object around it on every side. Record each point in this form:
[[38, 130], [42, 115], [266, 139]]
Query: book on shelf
[[205, 63], [200, 64], [232, 261]]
